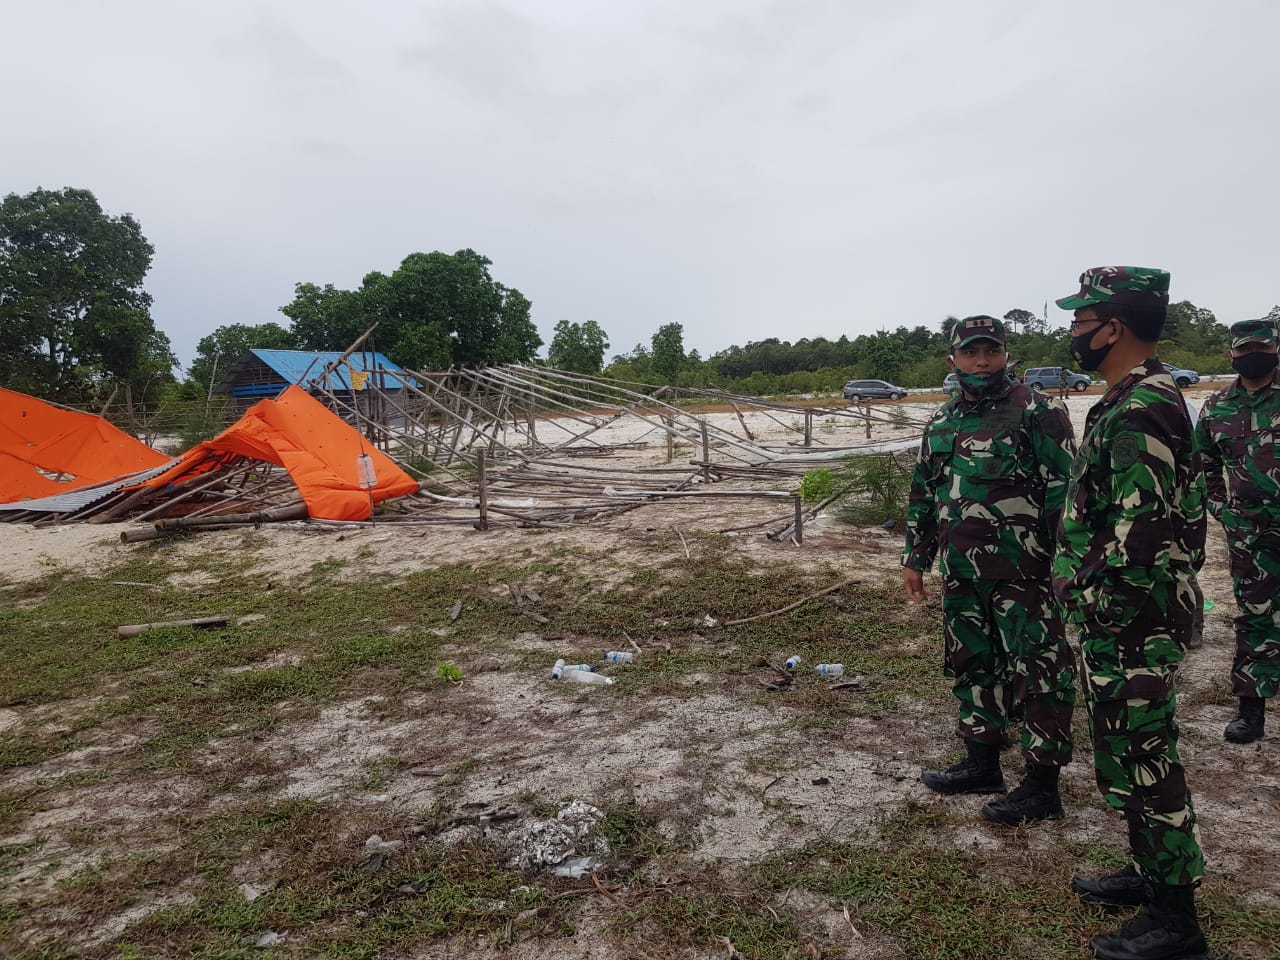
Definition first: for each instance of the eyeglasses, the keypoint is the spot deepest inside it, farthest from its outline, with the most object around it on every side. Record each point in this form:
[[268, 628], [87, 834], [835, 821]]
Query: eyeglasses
[[1075, 324]]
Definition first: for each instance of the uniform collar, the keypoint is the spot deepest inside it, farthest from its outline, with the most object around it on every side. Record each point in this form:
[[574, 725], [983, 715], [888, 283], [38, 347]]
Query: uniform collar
[[1237, 388], [1149, 367], [967, 404]]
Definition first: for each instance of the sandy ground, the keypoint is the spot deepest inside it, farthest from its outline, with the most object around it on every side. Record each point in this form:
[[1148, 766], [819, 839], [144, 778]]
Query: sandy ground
[[26, 551], [710, 759]]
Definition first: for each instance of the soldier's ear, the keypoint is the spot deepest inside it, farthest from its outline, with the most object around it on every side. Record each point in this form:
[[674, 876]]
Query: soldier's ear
[[951, 361]]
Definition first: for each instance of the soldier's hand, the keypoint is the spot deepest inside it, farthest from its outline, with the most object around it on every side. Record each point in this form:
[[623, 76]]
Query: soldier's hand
[[913, 580]]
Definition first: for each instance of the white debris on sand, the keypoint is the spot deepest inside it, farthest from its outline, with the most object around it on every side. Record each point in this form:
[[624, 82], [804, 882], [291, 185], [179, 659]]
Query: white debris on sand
[[569, 836]]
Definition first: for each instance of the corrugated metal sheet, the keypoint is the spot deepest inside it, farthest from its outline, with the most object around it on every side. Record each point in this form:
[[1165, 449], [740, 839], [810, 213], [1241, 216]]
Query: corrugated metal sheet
[[78, 499], [299, 366]]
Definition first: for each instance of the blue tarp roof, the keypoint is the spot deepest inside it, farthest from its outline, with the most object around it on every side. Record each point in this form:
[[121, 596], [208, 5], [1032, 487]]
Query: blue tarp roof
[[295, 366]]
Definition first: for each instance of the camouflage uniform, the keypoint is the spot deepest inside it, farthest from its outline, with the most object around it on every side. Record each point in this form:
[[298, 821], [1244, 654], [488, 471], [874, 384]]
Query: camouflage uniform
[[1131, 539], [1239, 433], [985, 496]]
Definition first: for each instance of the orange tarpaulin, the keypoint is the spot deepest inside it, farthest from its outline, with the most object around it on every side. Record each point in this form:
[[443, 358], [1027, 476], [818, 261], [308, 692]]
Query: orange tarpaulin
[[39, 441], [320, 451]]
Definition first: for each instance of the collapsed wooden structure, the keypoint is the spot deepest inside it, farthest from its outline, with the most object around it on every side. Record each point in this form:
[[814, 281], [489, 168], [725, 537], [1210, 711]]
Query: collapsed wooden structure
[[525, 445]]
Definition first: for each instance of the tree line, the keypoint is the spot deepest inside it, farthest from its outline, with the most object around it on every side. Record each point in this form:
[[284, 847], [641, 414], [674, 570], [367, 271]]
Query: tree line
[[75, 324]]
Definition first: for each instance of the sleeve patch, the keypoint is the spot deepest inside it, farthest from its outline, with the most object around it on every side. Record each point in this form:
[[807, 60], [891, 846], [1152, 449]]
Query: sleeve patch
[[1124, 452], [1053, 425]]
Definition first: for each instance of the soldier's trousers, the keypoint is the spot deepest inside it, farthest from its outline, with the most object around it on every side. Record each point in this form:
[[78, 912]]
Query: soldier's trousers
[[1006, 645], [1129, 694], [1255, 575]]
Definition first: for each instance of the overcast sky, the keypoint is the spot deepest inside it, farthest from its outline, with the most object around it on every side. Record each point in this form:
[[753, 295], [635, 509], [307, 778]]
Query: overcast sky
[[748, 169]]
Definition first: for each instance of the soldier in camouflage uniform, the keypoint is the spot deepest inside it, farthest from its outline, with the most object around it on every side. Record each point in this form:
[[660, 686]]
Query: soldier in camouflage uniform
[[985, 497], [1239, 433], [1130, 542]]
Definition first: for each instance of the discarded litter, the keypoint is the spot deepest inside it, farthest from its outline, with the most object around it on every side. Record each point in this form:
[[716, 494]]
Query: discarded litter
[[575, 867], [557, 671], [709, 621], [570, 840], [1209, 605], [829, 669], [620, 656], [792, 662], [585, 676]]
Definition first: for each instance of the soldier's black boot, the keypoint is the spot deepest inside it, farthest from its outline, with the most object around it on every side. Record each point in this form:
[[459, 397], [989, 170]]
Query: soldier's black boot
[[1247, 726], [1036, 798], [979, 772], [1126, 888], [1165, 929]]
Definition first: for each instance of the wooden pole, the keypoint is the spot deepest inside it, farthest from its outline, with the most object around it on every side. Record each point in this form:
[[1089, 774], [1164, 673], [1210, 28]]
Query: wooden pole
[[483, 523], [134, 629], [706, 454], [808, 428], [799, 520]]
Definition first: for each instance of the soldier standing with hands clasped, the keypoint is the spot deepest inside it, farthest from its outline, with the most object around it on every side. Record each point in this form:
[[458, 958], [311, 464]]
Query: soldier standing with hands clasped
[[1239, 433], [1129, 545], [985, 496]]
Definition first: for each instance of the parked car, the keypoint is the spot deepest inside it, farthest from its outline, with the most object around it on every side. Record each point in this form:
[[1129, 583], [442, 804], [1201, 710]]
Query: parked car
[[872, 390], [1050, 378], [1183, 378], [950, 384]]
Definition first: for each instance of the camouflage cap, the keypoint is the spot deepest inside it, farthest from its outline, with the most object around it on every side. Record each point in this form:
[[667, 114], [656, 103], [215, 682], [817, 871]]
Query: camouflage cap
[[1135, 286], [1254, 331], [976, 328]]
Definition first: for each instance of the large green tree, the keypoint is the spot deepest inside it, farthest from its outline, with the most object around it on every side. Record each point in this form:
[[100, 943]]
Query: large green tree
[[578, 346], [434, 311], [668, 351], [74, 319], [219, 350]]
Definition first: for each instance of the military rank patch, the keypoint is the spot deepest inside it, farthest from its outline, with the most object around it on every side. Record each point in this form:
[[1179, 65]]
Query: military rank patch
[[992, 468], [1124, 452]]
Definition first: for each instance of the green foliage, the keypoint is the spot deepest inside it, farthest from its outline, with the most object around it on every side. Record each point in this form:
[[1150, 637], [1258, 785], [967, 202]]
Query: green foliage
[[908, 356], [434, 311], [219, 350], [876, 487], [1025, 319], [668, 351], [578, 346], [74, 319], [448, 671], [817, 485]]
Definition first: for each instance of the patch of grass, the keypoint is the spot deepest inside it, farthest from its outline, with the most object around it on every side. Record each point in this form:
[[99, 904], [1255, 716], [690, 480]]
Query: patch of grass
[[323, 901], [908, 883], [1228, 918], [937, 901], [696, 916], [449, 672]]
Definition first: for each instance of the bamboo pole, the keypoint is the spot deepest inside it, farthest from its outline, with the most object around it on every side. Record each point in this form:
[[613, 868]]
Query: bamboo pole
[[483, 524]]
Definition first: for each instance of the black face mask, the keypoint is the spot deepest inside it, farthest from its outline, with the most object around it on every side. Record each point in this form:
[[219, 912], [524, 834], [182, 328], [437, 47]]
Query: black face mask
[[983, 385], [1255, 366], [1088, 357]]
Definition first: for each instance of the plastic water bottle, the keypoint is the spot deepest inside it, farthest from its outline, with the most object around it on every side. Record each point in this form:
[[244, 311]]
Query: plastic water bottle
[[829, 669], [558, 670], [366, 472], [586, 676], [793, 662], [620, 656], [581, 667]]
